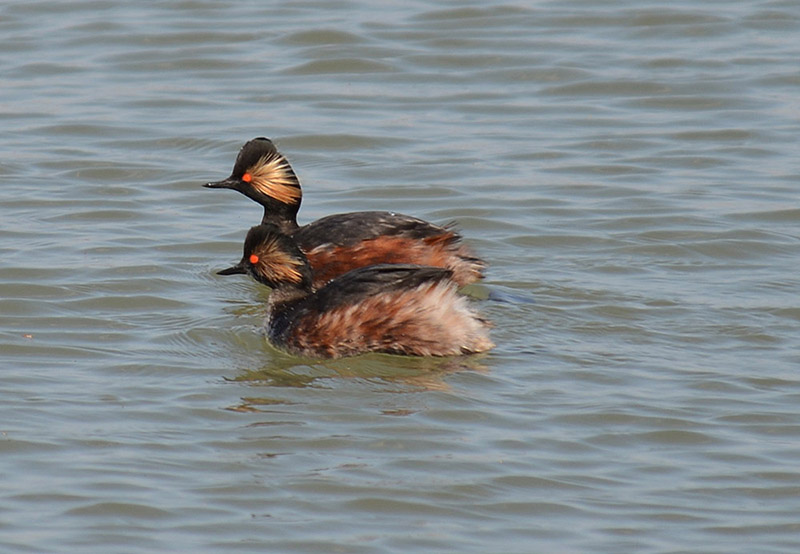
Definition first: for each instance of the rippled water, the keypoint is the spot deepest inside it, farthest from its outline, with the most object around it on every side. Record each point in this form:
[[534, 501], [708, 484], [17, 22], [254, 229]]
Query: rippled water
[[628, 170]]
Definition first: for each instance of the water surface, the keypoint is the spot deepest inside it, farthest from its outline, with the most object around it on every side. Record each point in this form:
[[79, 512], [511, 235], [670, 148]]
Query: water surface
[[628, 170]]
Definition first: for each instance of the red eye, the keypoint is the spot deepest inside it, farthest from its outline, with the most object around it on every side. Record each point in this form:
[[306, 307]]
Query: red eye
[[247, 177], [253, 259]]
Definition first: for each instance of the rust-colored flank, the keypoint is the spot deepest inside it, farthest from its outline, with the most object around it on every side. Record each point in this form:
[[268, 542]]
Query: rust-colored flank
[[328, 261]]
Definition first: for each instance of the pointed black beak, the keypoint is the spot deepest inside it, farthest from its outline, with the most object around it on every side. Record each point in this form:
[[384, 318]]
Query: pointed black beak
[[228, 183], [235, 270]]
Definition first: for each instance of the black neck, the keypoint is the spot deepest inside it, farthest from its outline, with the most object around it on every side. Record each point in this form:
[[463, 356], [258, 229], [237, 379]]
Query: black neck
[[281, 306], [282, 216]]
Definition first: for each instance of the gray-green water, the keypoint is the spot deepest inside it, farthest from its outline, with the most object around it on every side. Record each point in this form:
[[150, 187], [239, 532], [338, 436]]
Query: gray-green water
[[628, 169]]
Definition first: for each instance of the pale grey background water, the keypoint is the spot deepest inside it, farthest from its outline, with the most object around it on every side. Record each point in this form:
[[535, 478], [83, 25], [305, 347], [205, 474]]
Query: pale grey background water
[[629, 169]]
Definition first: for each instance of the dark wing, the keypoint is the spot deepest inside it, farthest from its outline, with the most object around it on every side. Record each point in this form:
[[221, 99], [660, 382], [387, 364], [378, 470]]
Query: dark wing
[[364, 282], [351, 228]]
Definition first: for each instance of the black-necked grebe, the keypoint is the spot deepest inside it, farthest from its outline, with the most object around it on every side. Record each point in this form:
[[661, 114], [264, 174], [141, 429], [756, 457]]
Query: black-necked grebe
[[393, 308], [339, 243]]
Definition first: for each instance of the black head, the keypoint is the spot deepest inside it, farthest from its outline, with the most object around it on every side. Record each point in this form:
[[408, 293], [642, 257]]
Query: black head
[[272, 258], [264, 175]]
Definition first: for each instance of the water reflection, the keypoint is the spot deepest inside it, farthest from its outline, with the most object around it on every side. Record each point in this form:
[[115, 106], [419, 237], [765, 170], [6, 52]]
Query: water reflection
[[381, 372]]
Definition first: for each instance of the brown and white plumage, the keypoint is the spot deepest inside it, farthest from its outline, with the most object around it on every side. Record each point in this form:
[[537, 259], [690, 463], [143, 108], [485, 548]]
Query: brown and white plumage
[[392, 308]]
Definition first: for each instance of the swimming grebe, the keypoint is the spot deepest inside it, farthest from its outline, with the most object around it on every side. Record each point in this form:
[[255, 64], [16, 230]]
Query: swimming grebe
[[338, 243], [393, 308]]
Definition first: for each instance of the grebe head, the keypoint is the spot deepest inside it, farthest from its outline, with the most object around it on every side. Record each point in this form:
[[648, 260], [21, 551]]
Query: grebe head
[[272, 258], [264, 175]]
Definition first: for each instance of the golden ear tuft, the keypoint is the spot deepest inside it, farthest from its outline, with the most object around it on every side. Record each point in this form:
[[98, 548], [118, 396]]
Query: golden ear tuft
[[277, 264], [273, 176]]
